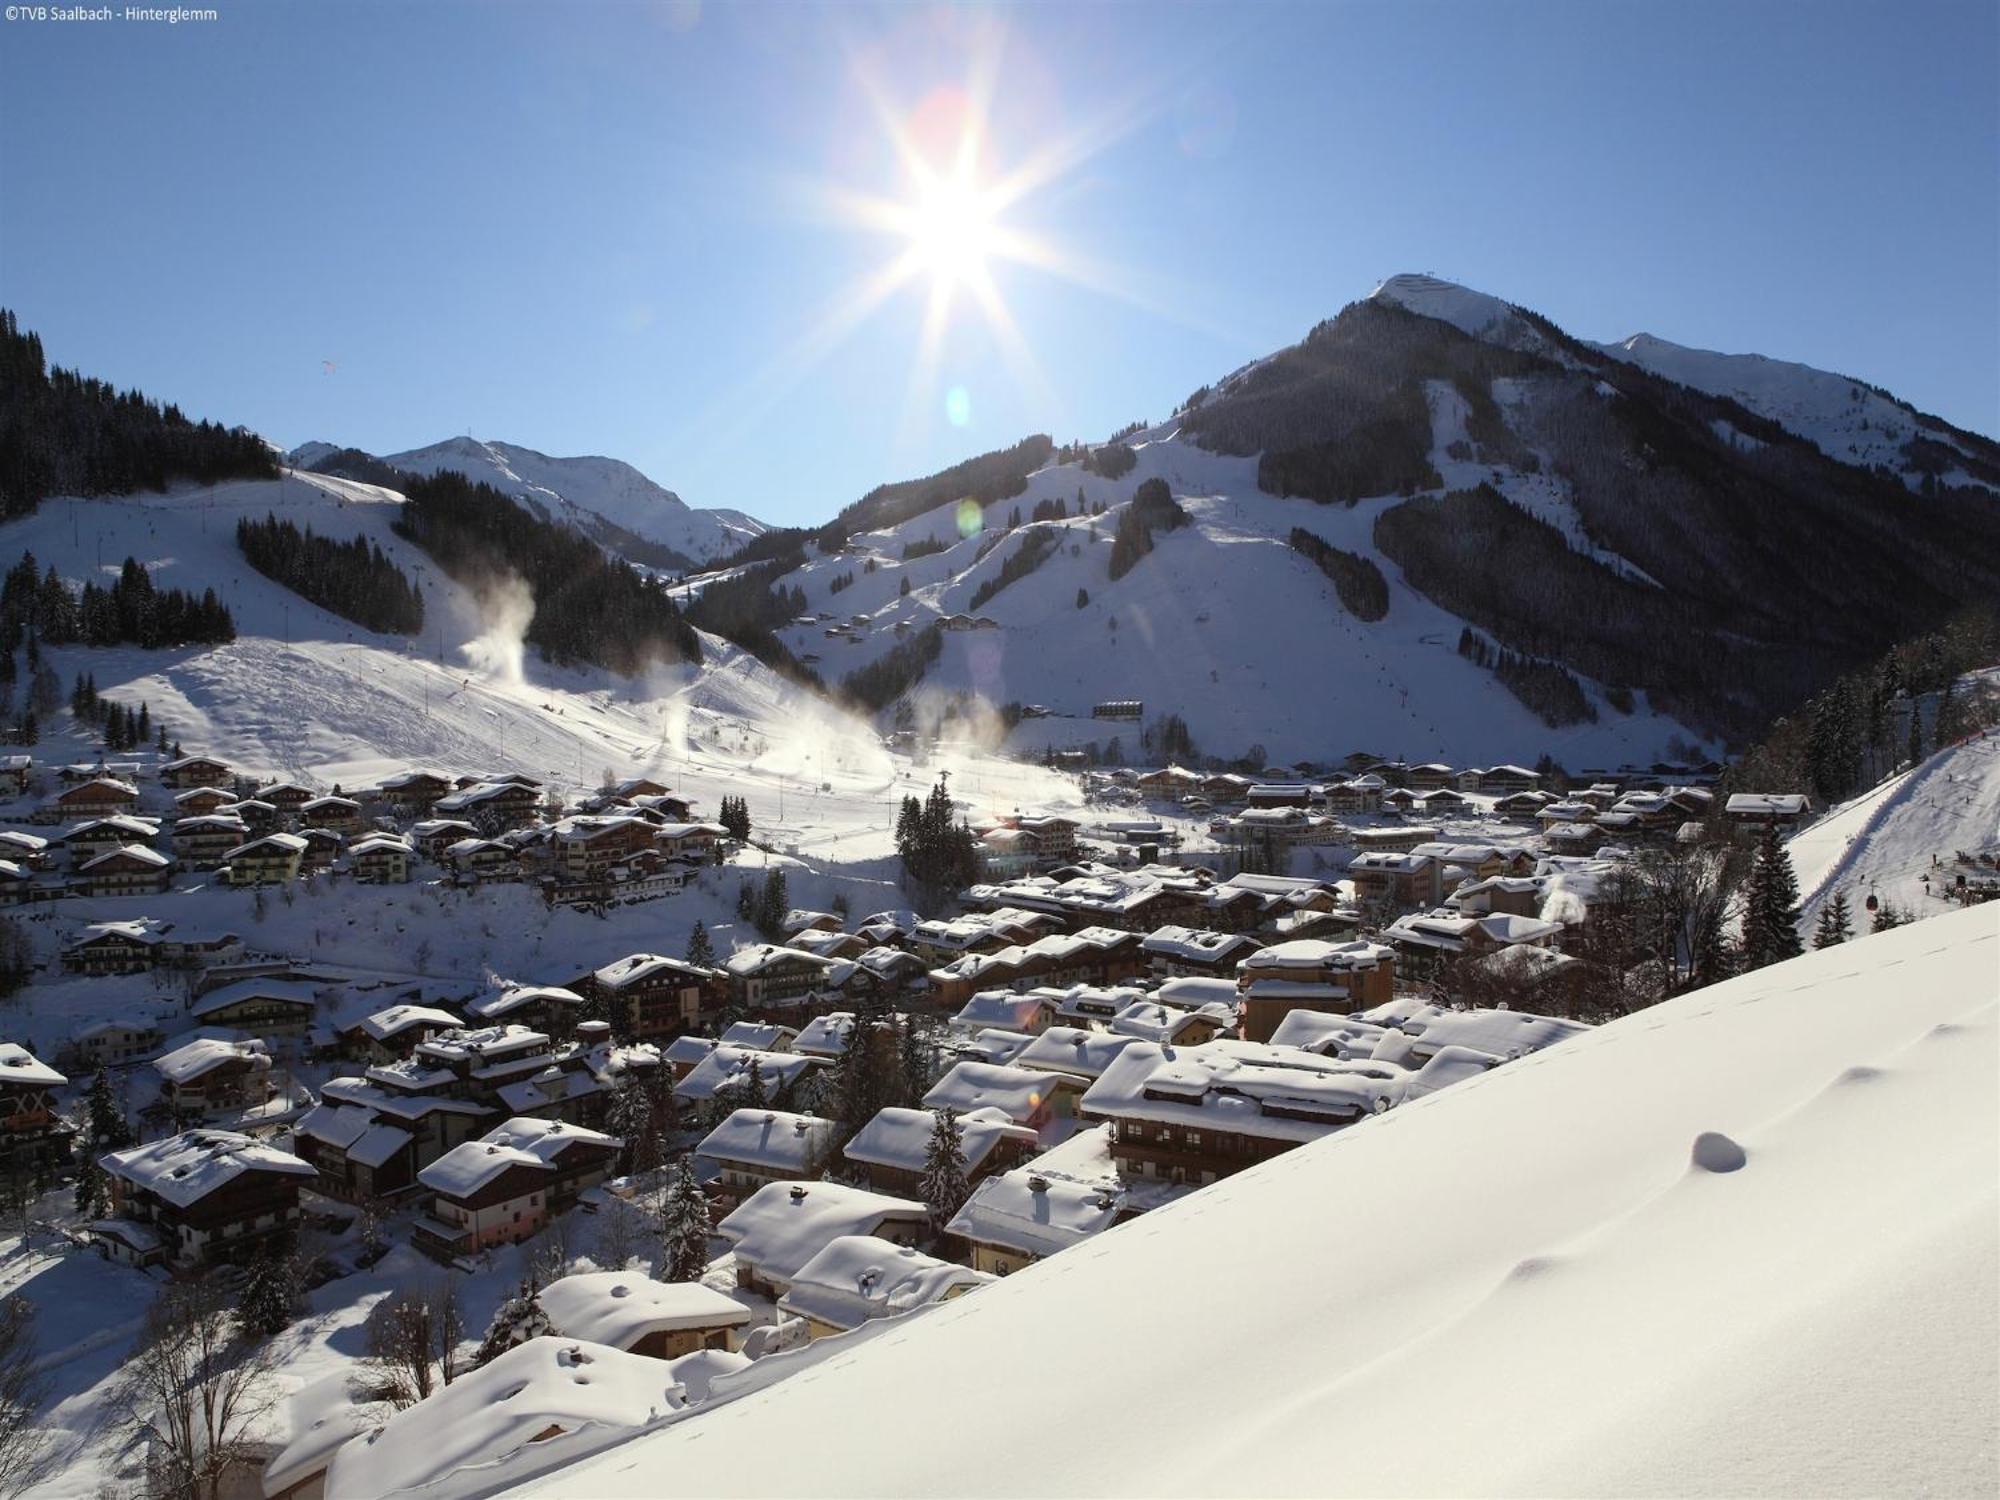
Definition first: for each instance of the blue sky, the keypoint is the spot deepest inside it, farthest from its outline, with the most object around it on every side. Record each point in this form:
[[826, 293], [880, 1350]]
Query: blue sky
[[611, 226]]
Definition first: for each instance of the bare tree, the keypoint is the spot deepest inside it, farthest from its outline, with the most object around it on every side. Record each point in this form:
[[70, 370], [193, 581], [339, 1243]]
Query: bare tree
[[25, 1455], [413, 1343], [196, 1390]]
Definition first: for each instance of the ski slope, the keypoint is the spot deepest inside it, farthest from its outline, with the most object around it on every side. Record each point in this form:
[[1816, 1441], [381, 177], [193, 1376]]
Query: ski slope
[[1223, 623], [305, 694], [1747, 1242], [1884, 842]]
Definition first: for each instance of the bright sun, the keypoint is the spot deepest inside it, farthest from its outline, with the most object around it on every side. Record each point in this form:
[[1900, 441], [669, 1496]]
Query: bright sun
[[951, 231]]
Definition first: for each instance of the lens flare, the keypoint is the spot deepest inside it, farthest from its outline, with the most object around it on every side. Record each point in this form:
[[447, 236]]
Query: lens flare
[[958, 406], [970, 518]]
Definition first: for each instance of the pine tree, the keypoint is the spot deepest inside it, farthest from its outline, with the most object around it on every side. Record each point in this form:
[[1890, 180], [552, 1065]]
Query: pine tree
[[107, 1127], [917, 1058], [861, 1090], [1834, 924], [1944, 728], [1887, 916], [774, 903], [518, 1319], [700, 951], [1771, 915], [753, 1094], [1916, 748], [630, 1115], [684, 1226], [270, 1296], [944, 1188]]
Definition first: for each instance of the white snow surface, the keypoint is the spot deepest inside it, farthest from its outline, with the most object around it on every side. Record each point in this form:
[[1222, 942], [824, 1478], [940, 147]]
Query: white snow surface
[[559, 489], [307, 696], [1222, 623], [1747, 1242]]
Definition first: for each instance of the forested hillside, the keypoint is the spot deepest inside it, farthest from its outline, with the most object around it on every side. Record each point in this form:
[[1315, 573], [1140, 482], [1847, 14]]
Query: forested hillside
[[62, 433], [588, 608]]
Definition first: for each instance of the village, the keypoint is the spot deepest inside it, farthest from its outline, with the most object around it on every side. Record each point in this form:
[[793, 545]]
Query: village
[[788, 1130]]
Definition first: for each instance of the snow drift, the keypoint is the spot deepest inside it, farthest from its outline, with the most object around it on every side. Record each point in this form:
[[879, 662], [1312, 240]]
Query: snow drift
[[1743, 1243]]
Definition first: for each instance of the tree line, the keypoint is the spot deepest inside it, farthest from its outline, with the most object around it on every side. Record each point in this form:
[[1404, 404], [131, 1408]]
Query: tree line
[[353, 579], [1356, 579], [62, 433], [590, 609], [131, 611], [1152, 508]]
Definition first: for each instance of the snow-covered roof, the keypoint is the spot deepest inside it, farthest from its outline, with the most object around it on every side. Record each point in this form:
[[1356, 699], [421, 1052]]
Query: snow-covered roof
[[20, 1068], [827, 1035], [1002, 1008], [1195, 944], [900, 1138], [1767, 804], [688, 1049], [1072, 1050], [763, 1036], [285, 991], [637, 968], [1245, 1088], [128, 852], [857, 1277], [520, 1142], [184, 1169], [1315, 955], [726, 1068], [541, 1404], [1333, 1035], [204, 1055], [619, 1308], [758, 958], [1018, 1093], [1503, 1033], [396, 1019], [771, 1140], [995, 1044], [1032, 1213], [783, 1225], [514, 997]]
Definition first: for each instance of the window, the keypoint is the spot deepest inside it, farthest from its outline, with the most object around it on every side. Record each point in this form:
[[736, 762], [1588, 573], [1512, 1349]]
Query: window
[[1194, 1137]]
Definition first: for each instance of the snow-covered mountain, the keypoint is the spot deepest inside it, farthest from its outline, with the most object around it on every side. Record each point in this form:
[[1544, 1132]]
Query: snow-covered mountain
[[1609, 1268], [1844, 418], [1848, 420], [604, 497], [1554, 539], [305, 694]]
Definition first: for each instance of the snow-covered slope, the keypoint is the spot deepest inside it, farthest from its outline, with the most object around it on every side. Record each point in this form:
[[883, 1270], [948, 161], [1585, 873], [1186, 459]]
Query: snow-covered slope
[[1842, 417], [1223, 623], [304, 693], [576, 489], [1476, 313], [1888, 841], [1747, 1242]]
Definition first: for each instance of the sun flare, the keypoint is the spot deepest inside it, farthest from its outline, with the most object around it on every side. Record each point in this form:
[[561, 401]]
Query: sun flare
[[952, 231]]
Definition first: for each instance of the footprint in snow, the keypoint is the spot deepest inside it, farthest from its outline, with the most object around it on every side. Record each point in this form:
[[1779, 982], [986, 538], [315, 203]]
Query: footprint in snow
[[1716, 1152]]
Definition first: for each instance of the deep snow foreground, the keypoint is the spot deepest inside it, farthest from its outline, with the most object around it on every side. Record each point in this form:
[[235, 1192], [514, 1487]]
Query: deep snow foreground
[[1747, 1242]]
